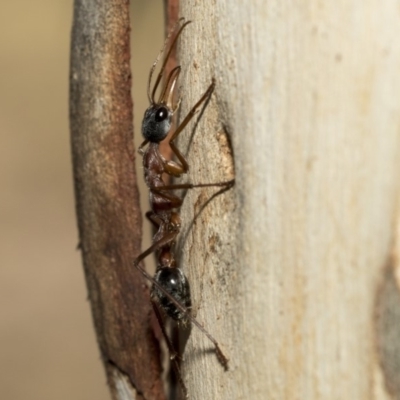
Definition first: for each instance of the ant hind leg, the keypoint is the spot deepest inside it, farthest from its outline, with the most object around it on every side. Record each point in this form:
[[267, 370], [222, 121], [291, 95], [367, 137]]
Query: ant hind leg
[[174, 356]]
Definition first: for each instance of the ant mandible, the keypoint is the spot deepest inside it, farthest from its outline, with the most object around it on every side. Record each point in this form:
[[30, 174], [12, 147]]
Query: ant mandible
[[170, 288]]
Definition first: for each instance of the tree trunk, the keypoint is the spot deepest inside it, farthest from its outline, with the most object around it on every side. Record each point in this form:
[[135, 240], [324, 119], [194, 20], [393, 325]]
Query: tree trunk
[[107, 204], [295, 270], [289, 269]]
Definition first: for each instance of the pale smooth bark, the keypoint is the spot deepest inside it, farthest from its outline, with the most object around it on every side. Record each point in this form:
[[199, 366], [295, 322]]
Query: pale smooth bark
[[286, 267]]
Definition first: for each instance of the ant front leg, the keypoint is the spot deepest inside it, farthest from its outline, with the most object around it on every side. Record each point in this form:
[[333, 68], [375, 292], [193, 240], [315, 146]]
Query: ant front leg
[[141, 147], [171, 167]]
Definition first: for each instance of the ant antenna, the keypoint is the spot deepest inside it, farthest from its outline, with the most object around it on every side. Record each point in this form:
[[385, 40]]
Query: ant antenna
[[160, 74]]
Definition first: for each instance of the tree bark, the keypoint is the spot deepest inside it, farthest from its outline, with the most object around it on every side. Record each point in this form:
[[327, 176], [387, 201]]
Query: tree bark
[[107, 203], [286, 269]]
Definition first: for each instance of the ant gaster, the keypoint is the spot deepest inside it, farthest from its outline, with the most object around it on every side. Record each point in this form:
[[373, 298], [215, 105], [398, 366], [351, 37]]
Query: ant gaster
[[170, 287]]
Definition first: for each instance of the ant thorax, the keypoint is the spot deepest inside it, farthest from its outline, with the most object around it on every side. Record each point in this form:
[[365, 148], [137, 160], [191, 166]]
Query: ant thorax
[[153, 166]]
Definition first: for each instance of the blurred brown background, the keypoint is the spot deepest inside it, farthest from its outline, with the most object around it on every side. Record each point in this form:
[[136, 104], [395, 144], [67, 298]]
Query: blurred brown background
[[48, 348]]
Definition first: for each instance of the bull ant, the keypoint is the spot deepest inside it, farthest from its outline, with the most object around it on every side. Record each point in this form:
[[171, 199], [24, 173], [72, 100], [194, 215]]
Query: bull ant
[[170, 290]]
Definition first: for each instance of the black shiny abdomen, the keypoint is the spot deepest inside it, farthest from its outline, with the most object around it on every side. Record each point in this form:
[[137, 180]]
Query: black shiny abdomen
[[176, 284]]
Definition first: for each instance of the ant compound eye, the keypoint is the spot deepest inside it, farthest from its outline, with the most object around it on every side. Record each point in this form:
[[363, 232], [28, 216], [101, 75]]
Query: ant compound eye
[[161, 114]]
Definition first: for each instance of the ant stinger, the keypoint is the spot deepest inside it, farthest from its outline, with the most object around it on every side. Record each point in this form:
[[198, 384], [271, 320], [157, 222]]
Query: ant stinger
[[170, 290]]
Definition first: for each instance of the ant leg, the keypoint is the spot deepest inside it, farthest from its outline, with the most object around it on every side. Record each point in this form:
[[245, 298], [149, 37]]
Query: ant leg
[[155, 246], [173, 354], [171, 168], [162, 229], [192, 112], [218, 352], [192, 186], [141, 147], [152, 217]]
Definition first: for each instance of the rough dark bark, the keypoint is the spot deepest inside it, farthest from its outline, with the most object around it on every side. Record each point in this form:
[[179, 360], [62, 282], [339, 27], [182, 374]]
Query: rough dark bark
[[107, 204]]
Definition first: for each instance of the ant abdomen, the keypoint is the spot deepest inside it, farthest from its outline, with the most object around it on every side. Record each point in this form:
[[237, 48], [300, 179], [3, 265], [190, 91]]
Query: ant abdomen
[[174, 281]]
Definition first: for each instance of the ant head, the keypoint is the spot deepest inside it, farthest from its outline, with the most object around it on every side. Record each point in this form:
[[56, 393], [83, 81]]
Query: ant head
[[157, 118], [156, 123]]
